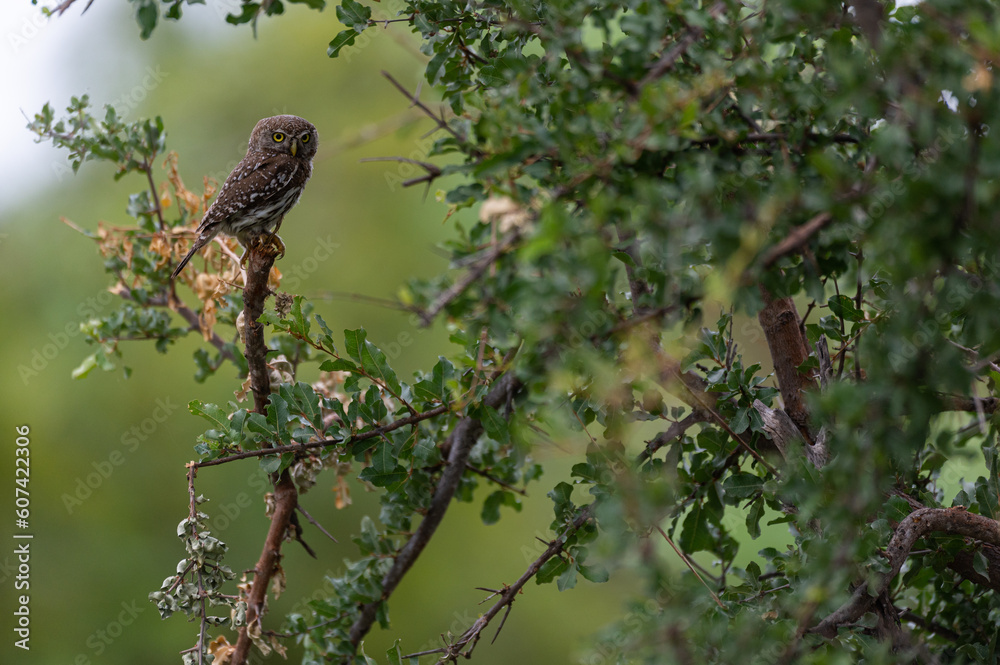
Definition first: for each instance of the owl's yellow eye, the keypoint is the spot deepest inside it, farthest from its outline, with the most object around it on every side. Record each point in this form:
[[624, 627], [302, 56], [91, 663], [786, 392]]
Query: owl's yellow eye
[[305, 138], [278, 137]]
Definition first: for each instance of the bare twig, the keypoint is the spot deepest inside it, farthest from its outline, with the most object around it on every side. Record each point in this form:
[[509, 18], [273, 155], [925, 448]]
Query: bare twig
[[296, 447], [773, 137], [494, 479], [191, 317], [474, 273], [688, 563], [415, 101], [316, 524], [147, 168], [507, 595], [65, 4], [432, 170]]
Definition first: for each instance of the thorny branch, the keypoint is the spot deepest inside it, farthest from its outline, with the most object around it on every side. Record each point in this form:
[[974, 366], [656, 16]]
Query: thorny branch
[[507, 595]]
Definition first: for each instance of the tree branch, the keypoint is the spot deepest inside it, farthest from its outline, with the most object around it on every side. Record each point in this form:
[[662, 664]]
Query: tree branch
[[474, 273], [957, 521], [295, 447], [415, 101], [191, 317], [780, 322], [795, 239], [675, 431], [508, 594], [261, 258], [460, 443], [667, 60]]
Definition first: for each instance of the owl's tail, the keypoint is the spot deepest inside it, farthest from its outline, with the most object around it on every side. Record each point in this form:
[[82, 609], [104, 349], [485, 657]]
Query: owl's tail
[[198, 244]]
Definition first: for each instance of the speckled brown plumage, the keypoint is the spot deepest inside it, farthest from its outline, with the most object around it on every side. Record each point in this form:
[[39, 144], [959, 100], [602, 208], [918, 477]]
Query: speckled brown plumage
[[264, 186]]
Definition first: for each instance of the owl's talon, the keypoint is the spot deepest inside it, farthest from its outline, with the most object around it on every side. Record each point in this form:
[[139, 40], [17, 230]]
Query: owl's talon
[[275, 242]]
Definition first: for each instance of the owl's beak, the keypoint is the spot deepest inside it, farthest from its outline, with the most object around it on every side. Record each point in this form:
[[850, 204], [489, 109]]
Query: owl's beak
[[295, 146]]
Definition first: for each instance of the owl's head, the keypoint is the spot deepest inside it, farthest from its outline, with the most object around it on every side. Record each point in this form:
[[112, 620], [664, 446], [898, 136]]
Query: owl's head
[[288, 134]]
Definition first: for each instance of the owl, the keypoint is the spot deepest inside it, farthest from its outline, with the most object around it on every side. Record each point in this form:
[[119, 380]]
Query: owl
[[263, 186]]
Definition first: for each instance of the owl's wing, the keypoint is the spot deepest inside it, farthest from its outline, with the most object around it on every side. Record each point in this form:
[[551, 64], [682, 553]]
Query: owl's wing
[[251, 184]]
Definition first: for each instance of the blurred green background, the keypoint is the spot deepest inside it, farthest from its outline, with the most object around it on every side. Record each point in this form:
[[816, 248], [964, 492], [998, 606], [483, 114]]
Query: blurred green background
[[108, 453]]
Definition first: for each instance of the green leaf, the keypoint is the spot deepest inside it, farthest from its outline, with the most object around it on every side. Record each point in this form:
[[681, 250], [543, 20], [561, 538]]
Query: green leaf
[[493, 423], [696, 532], [741, 420], [843, 307], [436, 388], [270, 463], [354, 15], [371, 358], [277, 414], [213, 413], [249, 13], [596, 574], [376, 366], [383, 459], [742, 485], [147, 13], [491, 507], [393, 653], [298, 322], [754, 516], [568, 579], [258, 424], [550, 569], [343, 38], [392, 479], [85, 367], [980, 564], [236, 426], [338, 365]]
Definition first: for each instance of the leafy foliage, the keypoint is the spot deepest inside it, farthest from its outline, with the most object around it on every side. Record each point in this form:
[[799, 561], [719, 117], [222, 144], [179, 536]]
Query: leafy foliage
[[636, 165]]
